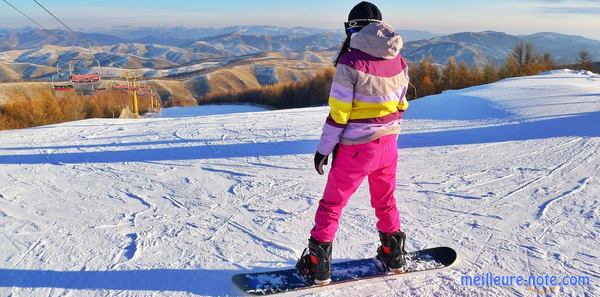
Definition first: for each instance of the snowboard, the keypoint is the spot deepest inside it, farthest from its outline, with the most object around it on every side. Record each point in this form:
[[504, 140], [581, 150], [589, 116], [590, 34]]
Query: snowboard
[[287, 280]]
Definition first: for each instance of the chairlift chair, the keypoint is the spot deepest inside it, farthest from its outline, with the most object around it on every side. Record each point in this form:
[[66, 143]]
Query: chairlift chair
[[119, 85], [85, 81], [145, 89], [61, 85], [61, 81]]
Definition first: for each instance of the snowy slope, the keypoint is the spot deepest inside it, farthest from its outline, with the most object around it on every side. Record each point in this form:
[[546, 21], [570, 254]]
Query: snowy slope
[[505, 173]]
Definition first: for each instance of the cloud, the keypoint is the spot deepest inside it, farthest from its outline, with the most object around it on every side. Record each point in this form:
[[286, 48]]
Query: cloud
[[571, 10], [581, 7]]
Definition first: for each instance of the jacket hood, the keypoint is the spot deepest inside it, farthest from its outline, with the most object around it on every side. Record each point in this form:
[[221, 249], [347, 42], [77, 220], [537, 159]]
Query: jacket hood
[[379, 40]]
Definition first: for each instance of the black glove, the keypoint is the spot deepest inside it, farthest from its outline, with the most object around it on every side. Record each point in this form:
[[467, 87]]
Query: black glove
[[320, 160]]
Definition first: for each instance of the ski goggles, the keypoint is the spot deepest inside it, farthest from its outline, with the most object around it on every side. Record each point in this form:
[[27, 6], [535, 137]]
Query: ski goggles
[[354, 26]]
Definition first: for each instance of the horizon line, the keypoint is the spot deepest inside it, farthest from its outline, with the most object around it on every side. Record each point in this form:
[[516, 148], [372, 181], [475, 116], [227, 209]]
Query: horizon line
[[97, 29]]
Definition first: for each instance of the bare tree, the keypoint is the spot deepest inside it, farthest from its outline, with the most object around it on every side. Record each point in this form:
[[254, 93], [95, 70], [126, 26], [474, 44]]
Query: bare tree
[[523, 61], [547, 62], [584, 61]]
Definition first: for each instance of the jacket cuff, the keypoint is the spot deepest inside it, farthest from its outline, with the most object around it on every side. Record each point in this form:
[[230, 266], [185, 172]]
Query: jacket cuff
[[329, 138]]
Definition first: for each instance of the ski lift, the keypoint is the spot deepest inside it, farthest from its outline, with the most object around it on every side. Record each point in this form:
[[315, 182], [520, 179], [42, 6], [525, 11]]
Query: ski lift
[[61, 83], [121, 85], [143, 88], [135, 83], [86, 83], [155, 103], [80, 77], [83, 78], [124, 85]]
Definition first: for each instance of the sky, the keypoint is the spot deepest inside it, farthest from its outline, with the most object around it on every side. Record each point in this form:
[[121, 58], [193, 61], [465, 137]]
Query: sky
[[579, 17]]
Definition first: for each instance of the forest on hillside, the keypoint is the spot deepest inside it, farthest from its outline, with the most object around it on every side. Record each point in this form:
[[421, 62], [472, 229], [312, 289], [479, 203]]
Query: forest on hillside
[[427, 78]]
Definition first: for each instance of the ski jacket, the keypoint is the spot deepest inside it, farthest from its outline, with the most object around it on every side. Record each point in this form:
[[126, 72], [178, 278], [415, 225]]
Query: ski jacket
[[368, 94]]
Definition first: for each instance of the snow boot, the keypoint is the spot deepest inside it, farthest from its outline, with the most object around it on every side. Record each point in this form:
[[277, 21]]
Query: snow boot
[[315, 262], [391, 252]]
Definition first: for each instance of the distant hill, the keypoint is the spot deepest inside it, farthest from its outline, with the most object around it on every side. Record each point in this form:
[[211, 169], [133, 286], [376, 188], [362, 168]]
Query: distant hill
[[27, 38], [178, 36], [193, 81], [470, 47], [414, 35], [36, 38], [237, 44], [564, 48], [478, 48], [158, 61]]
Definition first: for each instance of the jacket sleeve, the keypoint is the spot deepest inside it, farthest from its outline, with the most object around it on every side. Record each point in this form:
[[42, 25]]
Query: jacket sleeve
[[340, 105], [403, 104]]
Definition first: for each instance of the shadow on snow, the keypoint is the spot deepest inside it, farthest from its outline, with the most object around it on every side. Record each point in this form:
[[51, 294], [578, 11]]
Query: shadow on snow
[[574, 125], [202, 282]]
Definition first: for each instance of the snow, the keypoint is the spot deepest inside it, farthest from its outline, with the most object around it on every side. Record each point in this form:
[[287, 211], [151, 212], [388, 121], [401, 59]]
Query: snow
[[174, 206], [153, 73]]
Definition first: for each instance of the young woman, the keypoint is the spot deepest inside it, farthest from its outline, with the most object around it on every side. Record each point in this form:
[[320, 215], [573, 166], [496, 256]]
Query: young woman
[[367, 100]]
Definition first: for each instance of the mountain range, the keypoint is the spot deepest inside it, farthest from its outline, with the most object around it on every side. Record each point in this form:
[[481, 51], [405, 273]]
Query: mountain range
[[27, 38], [481, 47], [206, 60], [185, 45]]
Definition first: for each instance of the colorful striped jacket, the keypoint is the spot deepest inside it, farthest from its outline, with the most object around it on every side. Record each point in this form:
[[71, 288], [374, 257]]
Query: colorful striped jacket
[[368, 94]]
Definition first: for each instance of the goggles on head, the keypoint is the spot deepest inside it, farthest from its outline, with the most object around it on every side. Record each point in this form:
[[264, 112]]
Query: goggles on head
[[354, 26]]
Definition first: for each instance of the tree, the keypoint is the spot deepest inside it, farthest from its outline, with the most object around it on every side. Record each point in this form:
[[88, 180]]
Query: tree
[[511, 68], [522, 61], [477, 75], [547, 62], [490, 73], [425, 77], [463, 76], [450, 72], [584, 61], [427, 87], [430, 69]]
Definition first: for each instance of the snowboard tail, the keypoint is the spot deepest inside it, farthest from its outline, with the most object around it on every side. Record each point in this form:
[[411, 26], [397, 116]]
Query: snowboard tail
[[272, 282]]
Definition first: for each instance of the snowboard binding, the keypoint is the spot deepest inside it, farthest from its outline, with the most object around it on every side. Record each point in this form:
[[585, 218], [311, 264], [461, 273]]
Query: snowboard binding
[[391, 252], [315, 262]]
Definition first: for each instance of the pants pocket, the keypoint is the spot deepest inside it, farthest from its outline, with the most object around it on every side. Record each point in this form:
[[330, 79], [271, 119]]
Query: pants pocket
[[359, 157]]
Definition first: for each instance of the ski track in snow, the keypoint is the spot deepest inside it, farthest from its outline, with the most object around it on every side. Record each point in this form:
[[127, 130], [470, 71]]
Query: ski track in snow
[[176, 206], [546, 205]]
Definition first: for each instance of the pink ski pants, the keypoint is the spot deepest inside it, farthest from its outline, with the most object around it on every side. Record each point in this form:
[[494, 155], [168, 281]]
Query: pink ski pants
[[376, 160]]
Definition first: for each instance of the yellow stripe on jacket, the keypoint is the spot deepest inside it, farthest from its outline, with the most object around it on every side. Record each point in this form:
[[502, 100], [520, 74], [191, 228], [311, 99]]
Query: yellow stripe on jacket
[[342, 111], [403, 105]]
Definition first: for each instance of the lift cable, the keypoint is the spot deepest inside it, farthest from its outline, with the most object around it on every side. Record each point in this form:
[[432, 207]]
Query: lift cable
[[104, 56], [31, 19], [56, 18]]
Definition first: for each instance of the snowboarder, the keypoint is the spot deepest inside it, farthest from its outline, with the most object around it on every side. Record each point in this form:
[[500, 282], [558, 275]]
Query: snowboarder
[[367, 101]]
